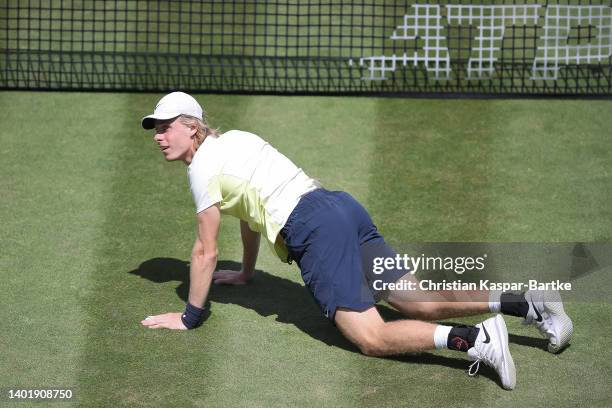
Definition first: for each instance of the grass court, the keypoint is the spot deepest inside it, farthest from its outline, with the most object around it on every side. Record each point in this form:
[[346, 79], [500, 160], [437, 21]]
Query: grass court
[[97, 231]]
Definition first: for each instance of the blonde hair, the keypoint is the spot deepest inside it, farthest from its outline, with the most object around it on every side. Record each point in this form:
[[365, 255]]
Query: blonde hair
[[203, 130]]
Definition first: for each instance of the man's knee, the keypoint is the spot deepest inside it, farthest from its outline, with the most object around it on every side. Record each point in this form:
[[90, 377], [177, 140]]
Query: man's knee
[[373, 346], [364, 329]]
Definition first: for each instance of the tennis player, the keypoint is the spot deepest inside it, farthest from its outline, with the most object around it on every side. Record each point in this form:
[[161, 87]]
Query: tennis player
[[331, 237]]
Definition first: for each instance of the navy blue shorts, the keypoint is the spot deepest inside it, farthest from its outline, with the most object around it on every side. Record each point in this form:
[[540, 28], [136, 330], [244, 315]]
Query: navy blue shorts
[[333, 240]]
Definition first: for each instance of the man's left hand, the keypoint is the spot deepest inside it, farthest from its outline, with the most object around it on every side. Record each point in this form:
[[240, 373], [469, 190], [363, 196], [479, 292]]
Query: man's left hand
[[165, 321]]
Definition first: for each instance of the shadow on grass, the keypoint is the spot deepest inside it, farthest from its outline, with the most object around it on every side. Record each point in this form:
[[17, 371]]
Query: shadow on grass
[[535, 342], [271, 295], [266, 294]]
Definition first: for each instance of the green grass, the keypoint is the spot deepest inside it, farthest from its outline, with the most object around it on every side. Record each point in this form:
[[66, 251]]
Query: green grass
[[97, 229]]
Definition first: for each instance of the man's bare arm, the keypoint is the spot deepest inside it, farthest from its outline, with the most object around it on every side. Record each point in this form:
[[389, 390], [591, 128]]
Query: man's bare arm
[[204, 255], [250, 246], [203, 263]]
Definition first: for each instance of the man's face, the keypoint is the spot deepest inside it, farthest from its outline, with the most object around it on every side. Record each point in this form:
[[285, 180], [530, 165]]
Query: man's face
[[175, 140]]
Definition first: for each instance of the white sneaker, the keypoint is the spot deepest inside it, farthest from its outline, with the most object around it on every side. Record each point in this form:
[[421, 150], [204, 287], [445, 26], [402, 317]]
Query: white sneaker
[[491, 347], [547, 313]]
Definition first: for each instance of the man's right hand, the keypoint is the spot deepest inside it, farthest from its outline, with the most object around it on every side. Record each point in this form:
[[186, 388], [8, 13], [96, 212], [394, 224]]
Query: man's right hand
[[227, 277]]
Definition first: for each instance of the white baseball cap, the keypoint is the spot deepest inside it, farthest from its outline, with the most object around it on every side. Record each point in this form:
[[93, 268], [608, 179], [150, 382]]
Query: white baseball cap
[[171, 106]]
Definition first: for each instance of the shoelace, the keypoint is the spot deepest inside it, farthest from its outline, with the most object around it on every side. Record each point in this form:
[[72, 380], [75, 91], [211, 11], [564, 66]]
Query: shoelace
[[477, 365]]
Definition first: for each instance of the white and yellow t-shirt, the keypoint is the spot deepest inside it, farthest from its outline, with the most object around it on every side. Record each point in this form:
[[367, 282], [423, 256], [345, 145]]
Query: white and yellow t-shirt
[[250, 180]]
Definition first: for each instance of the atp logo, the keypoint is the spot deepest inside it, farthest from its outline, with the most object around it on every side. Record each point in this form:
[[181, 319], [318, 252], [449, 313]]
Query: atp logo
[[553, 48]]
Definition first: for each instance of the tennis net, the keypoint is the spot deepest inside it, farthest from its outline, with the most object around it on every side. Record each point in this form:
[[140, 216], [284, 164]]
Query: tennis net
[[321, 47]]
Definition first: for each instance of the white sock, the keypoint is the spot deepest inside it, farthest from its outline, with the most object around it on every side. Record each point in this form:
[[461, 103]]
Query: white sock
[[494, 301], [441, 336]]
